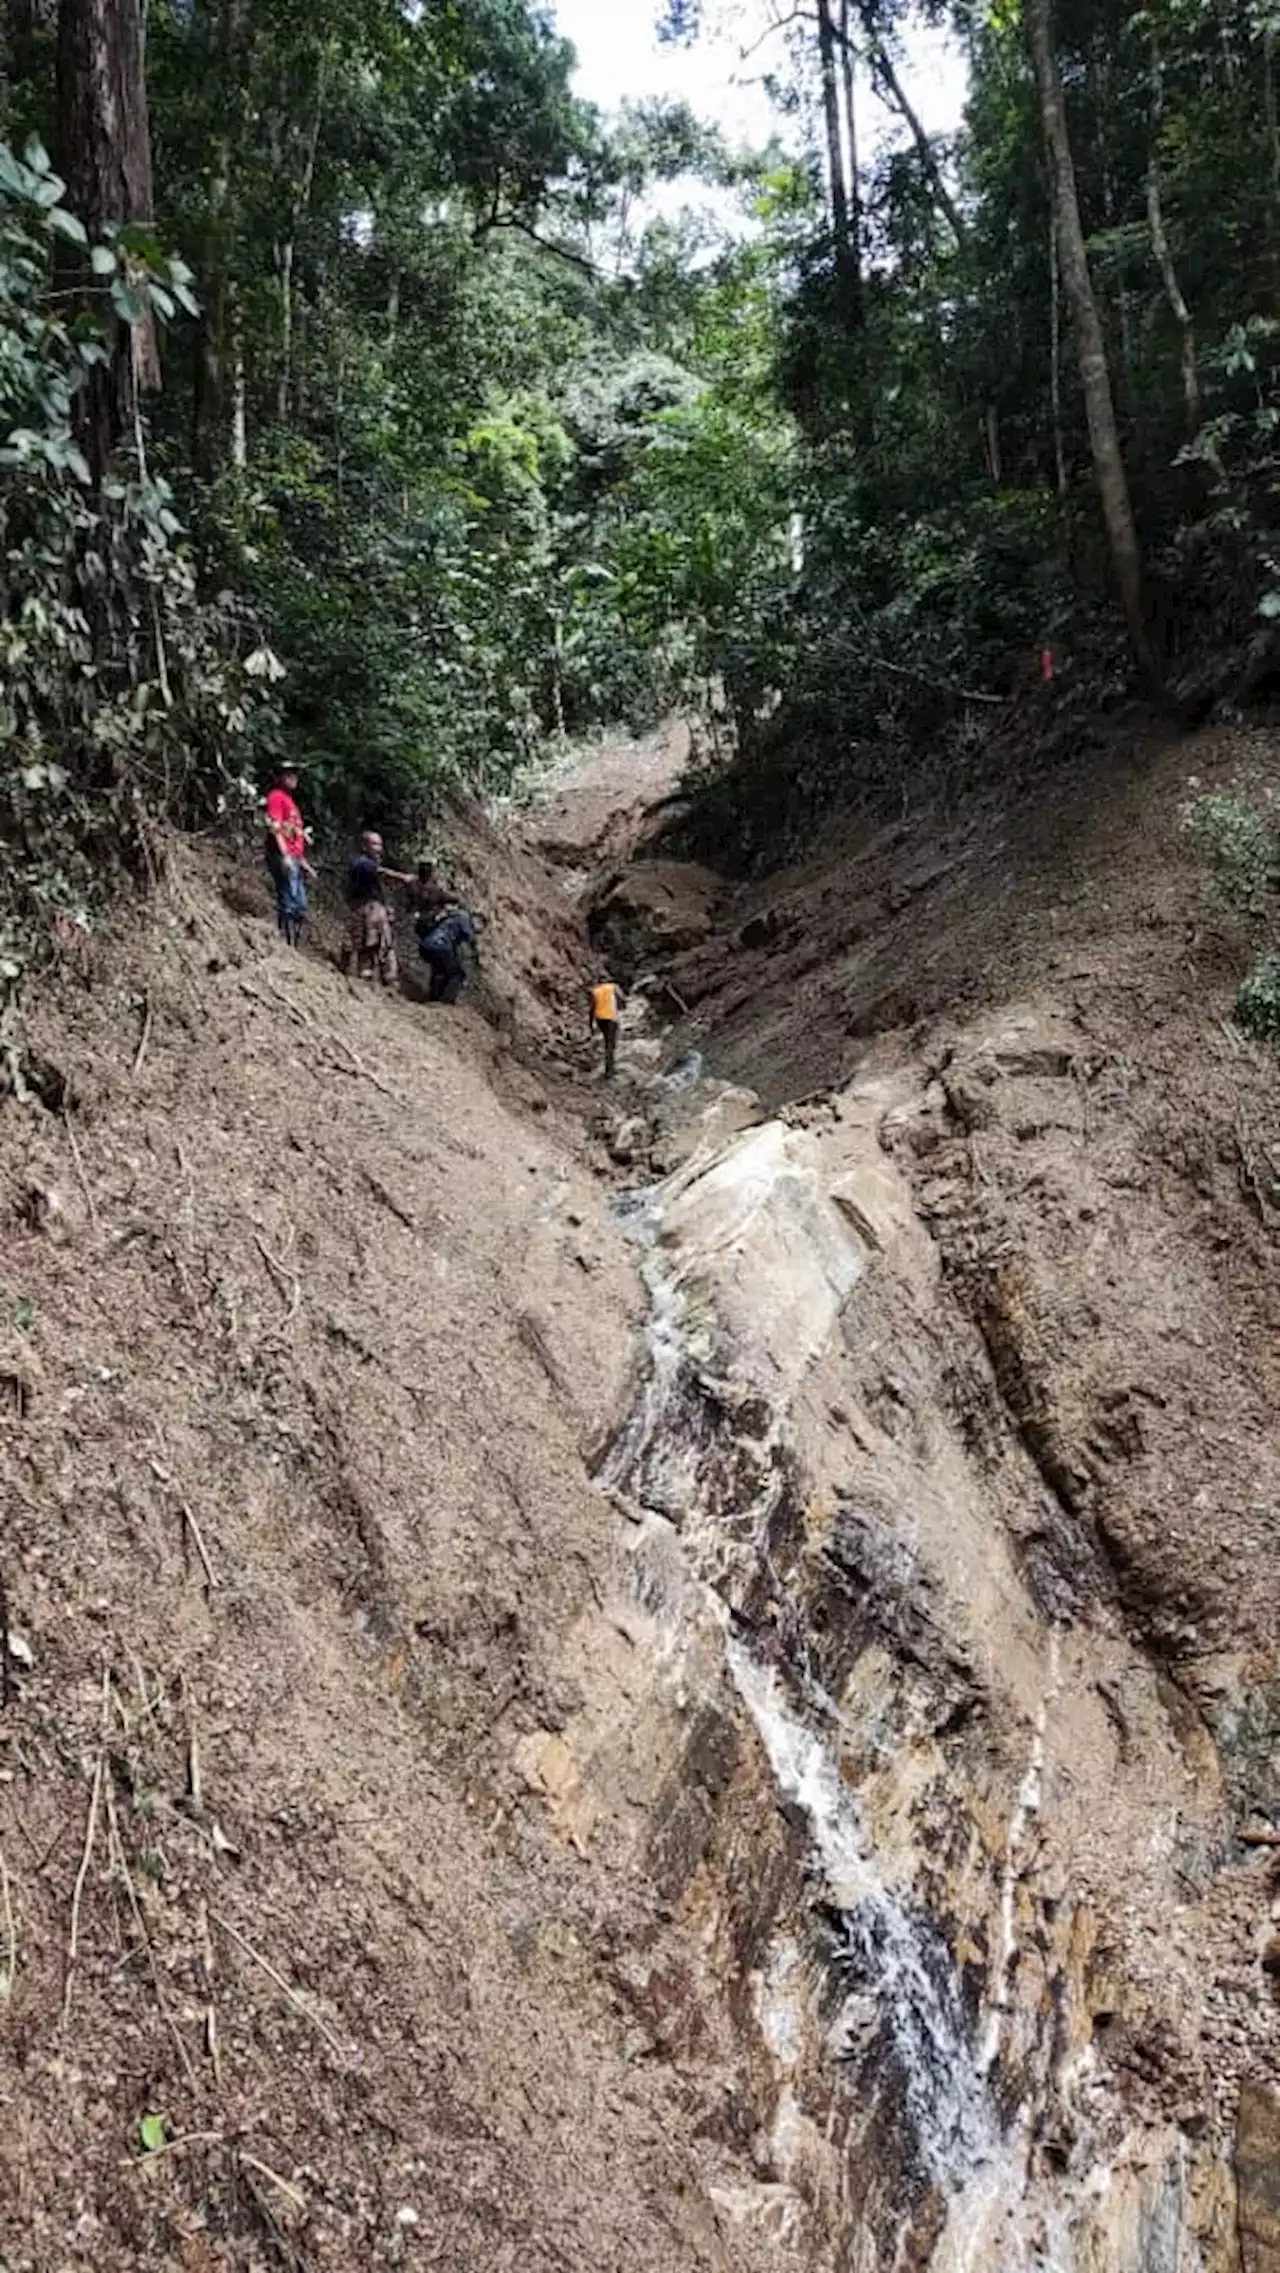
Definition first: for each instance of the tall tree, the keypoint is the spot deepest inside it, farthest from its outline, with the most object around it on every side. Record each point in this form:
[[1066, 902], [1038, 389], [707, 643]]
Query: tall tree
[[1091, 352], [848, 61], [1163, 254], [848, 276], [104, 138]]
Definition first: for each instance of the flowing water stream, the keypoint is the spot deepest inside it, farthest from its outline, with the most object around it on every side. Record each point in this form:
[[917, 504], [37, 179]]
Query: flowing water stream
[[748, 1266]]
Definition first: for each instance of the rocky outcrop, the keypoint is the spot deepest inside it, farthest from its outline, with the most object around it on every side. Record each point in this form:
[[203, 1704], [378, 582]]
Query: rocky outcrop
[[942, 1839]]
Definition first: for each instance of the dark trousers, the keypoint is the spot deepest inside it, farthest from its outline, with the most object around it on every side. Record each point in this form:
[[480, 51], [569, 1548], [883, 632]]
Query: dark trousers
[[447, 977], [607, 1028]]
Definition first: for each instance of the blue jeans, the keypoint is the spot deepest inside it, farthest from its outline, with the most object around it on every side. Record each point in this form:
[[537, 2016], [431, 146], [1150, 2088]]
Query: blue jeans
[[291, 896]]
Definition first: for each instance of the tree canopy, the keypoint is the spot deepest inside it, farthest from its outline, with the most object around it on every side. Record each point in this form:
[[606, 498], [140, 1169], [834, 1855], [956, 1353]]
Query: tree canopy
[[360, 407]]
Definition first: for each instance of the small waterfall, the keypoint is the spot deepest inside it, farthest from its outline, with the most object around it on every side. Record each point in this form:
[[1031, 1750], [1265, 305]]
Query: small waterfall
[[893, 1961], [899, 1959], [747, 1266]]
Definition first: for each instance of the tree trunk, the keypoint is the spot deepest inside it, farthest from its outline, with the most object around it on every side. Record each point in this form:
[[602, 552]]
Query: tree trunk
[[848, 62], [288, 253], [1055, 355], [1270, 112], [239, 387], [1164, 258], [1173, 294], [991, 442], [1095, 375], [847, 277], [891, 87], [105, 148], [218, 286]]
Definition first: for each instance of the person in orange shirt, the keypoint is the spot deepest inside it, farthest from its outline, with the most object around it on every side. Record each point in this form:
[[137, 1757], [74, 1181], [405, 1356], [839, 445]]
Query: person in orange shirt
[[606, 1002]]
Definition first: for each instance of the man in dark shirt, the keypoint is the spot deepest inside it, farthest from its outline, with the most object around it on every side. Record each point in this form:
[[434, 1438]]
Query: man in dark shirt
[[440, 944], [369, 946]]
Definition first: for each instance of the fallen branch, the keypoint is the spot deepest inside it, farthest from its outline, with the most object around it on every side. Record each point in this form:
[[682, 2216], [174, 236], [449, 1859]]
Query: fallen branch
[[388, 1199], [357, 1068], [1259, 1838], [201, 1550], [288, 1281], [298, 2002], [145, 1042], [10, 1973], [115, 1841], [264, 2170], [89, 1200], [535, 1341], [300, 1017], [73, 1938], [174, 2147]]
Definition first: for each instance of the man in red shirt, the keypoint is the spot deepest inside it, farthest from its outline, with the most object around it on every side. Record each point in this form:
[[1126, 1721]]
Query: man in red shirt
[[287, 863]]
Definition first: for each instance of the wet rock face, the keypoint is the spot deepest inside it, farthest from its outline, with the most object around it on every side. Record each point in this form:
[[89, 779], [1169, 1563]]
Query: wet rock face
[[948, 1834]]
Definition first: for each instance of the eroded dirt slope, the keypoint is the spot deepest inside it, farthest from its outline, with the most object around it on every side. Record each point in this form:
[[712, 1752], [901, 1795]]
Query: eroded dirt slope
[[529, 1750], [312, 1320]]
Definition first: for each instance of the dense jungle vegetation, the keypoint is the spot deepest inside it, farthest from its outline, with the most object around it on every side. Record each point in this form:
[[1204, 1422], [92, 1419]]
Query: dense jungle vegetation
[[355, 406]]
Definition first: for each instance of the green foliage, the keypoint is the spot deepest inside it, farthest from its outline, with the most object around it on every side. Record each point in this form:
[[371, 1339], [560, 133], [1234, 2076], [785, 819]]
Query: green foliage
[[1258, 1001], [943, 479], [115, 702], [486, 454], [1240, 843]]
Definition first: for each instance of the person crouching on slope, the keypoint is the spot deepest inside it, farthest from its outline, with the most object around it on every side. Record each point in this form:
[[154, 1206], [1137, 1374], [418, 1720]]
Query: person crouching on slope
[[287, 863], [370, 945], [606, 1001], [440, 944]]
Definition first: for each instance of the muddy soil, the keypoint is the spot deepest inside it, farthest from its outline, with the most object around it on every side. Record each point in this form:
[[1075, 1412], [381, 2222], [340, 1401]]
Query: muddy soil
[[381, 1884], [313, 1321]]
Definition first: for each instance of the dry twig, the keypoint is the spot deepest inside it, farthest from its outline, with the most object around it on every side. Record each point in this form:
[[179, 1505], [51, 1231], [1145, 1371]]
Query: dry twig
[[281, 2242], [145, 1042], [116, 1843], [76, 1156], [201, 1550], [73, 1938], [195, 1778], [298, 2002], [289, 1282], [10, 1973], [301, 1017], [535, 1341], [388, 1199], [264, 2170], [357, 1068]]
